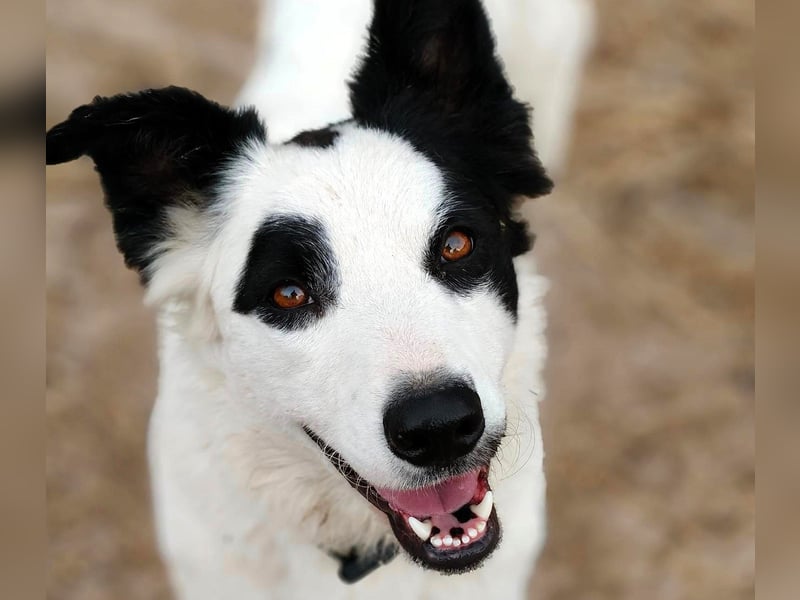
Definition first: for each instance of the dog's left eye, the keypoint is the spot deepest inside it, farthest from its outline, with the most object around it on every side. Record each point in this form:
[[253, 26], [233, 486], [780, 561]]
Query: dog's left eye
[[291, 295], [457, 245]]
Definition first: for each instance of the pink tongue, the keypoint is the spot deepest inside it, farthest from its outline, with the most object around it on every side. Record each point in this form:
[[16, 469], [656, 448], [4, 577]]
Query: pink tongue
[[445, 497]]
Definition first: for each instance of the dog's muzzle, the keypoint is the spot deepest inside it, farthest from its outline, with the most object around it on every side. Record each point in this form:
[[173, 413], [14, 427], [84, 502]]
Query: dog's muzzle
[[449, 526]]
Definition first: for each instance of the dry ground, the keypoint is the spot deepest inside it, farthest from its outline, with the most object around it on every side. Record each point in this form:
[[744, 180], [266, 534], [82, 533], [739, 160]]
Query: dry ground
[[648, 242]]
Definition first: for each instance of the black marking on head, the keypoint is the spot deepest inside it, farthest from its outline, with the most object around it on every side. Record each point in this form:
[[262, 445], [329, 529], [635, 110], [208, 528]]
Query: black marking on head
[[288, 248], [153, 149], [491, 260], [315, 138], [430, 75]]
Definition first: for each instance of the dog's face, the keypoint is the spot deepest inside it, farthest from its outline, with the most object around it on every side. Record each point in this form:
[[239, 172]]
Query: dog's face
[[351, 277], [359, 278]]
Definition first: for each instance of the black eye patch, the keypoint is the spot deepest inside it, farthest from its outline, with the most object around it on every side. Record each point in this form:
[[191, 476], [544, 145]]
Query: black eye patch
[[288, 248], [491, 259]]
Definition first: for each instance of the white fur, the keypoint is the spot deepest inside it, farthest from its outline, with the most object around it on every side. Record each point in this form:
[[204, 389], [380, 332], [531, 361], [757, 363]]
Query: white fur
[[243, 505], [243, 499]]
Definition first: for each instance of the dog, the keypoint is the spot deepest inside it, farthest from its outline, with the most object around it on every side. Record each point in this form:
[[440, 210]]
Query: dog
[[351, 335]]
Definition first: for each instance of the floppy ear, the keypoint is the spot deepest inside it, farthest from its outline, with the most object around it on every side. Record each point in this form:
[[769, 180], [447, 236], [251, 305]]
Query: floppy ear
[[430, 75], [156, 151]]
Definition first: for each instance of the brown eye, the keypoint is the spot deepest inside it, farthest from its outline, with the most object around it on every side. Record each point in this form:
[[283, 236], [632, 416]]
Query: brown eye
[[457, 245], [290, 295]]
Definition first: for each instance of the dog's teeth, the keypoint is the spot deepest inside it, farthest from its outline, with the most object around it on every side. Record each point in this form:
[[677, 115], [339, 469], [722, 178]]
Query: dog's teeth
[[456, 542], [465, 539], [480, 526], [436, 541], [421, 528], [448, 540], [472, 532], [484, 508]]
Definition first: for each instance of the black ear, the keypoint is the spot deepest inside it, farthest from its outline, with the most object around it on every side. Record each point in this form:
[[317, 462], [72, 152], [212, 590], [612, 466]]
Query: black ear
[[153, 149], [440, 47], [430, 74]]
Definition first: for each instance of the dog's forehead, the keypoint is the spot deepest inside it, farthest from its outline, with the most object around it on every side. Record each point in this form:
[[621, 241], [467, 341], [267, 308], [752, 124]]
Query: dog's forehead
[[365, 185]]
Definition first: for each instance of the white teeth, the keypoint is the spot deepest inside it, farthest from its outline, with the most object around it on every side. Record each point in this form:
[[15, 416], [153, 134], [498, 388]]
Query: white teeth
[[484, 508], [436, 541], [480, 526], [465, 538], [473, 533], [421, 528], [456, 542], [448, 540]]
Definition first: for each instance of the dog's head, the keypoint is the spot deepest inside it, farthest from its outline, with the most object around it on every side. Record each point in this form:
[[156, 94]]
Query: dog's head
[[358, 280]]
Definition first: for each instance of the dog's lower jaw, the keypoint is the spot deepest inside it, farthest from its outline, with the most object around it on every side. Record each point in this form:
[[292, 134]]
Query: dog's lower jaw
[[455, 540]]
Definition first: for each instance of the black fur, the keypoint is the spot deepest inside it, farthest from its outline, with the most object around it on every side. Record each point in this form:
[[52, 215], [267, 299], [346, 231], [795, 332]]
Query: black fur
[[430, 75], [357, 564], [490, 261], [288, 249], [153, 149], [316, 138]]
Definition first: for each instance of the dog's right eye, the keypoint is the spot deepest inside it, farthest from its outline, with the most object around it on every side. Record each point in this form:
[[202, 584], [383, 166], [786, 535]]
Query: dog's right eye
[[291, 295]]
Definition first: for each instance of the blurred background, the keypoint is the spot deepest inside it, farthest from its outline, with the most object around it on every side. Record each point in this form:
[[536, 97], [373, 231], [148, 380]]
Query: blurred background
[[648, 242], [22, 305]]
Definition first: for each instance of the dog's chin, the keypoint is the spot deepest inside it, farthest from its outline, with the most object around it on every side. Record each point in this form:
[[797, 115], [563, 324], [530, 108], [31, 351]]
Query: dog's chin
[[451, 526]]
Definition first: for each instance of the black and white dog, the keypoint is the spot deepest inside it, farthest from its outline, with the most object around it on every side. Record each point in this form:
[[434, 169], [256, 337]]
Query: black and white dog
[[350, 339]]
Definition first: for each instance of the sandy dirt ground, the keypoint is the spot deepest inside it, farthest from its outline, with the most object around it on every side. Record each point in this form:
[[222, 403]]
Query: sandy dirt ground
[[648, 242]]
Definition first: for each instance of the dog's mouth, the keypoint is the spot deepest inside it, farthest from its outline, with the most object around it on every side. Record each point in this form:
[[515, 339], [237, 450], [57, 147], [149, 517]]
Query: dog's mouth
[[451, 526]]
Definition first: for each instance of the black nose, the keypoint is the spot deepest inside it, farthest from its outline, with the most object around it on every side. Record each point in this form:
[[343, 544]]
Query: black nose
[[434, 427]]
